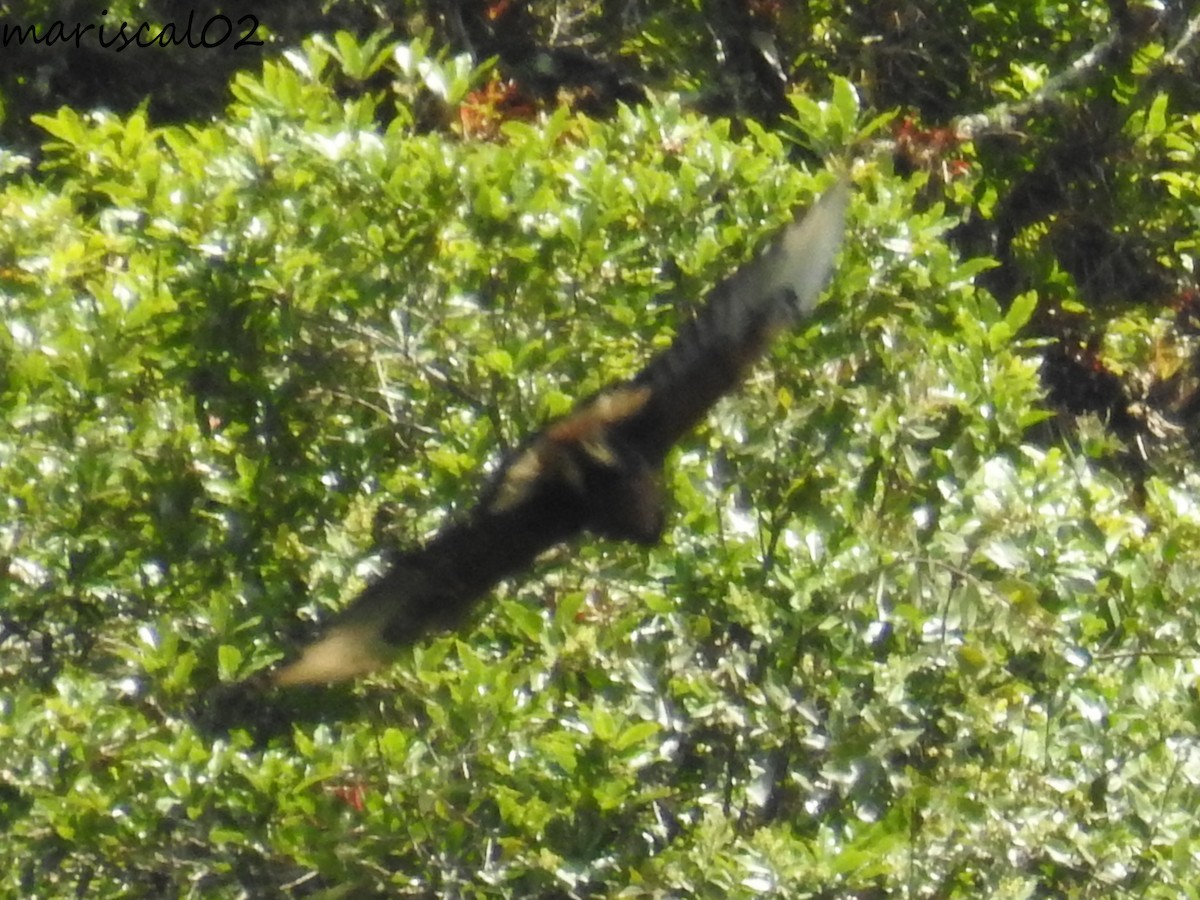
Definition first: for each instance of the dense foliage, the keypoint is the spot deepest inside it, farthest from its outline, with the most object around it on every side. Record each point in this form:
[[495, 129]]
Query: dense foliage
[[914, 630]]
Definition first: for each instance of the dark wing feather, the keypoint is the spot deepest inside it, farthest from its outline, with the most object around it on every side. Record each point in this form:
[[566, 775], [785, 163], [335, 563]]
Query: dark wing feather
[[433, 588], [595, 469], [711, 353]]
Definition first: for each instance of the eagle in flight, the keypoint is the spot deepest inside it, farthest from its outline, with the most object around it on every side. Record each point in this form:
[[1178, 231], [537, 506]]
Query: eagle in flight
[[596, 469]]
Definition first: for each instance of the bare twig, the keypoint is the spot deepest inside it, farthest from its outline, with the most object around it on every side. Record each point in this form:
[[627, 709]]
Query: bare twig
[[1091, 66], [1007, 118], [1183, 53]]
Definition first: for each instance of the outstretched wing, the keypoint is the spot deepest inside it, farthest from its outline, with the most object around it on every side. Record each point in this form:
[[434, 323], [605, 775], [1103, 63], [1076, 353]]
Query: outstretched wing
[[596, 469], [430, 589], [712, 353]]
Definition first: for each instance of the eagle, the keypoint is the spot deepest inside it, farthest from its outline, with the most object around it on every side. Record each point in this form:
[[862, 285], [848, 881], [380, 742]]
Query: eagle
[[596, 470]]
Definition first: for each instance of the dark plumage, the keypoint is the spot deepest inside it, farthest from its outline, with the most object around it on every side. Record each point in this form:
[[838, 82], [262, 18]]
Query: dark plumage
[[596, 469]]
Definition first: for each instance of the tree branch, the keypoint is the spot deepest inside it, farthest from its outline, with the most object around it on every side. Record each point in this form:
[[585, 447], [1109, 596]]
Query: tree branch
[[1007, 118], [1131, 34]]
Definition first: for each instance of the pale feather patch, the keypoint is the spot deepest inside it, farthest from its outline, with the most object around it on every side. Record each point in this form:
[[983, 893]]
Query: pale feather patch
[[584, 426], [517, 478], [802, 260], [347, 651], [614, 406]]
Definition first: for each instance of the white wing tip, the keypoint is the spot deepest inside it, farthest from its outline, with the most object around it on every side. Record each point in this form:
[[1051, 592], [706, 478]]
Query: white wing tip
[[347, 651], [807, 250]]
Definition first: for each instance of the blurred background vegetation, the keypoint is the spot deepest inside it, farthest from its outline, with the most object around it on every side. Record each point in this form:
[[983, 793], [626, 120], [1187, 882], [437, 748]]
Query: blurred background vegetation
[[923, 622]]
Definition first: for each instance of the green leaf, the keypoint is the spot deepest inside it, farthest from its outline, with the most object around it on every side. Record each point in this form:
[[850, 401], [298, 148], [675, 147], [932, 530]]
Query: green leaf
[[559, 746], [1003, 554], [65, 125], [635, 735], [845, 101], [1156, 116], [527, 620], [1019, 313], [499, 361], [229, 662], [350, 54]]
